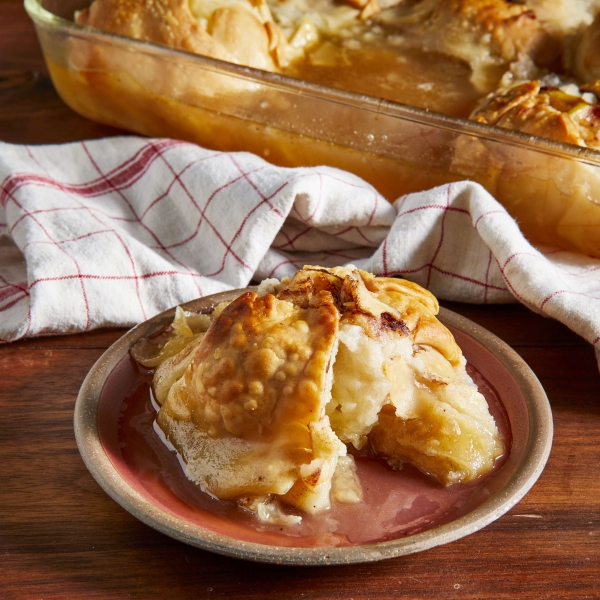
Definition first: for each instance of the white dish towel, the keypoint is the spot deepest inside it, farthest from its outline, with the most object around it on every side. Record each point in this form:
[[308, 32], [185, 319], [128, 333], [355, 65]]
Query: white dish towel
[[111, 232]]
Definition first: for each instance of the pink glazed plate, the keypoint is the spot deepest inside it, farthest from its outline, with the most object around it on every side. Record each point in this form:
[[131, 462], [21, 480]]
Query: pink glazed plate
[[403, 511]]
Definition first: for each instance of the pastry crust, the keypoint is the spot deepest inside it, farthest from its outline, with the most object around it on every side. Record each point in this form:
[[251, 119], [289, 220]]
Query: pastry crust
[[538, 109], [240, 33], [168, 22], [263, 361], [284, 381], [256, 391], [487, 34]]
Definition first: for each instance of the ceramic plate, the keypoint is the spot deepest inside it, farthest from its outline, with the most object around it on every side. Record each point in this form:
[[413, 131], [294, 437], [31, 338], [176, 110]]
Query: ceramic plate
[[403, 512]]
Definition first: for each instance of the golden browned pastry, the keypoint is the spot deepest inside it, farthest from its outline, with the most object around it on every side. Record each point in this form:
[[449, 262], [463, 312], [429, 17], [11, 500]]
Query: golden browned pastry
[[587, 54], [285, 381], [239, 32], [566, 115], [170, 23], [486, 34]]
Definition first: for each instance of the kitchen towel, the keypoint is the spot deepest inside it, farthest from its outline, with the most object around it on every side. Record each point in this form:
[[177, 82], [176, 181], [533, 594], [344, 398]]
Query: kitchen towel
[[110, 232]]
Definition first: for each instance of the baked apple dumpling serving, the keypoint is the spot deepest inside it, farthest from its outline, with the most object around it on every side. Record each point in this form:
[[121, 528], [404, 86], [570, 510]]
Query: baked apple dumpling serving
[[277, 391]]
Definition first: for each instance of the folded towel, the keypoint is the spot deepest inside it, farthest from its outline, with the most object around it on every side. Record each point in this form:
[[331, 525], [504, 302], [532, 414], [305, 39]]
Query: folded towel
[[111, 232]]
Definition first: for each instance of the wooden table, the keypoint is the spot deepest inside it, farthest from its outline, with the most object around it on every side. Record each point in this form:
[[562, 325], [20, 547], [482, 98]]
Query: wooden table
[[62, 537]]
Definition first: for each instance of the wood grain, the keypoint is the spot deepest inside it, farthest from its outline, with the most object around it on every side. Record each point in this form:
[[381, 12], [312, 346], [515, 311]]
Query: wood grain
[[62, 537]]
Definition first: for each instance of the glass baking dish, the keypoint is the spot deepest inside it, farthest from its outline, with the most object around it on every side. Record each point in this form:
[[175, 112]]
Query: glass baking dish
[[551, 188]]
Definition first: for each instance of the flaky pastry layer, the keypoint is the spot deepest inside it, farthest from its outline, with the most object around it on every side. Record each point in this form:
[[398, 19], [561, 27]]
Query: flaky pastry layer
[[269, 404]]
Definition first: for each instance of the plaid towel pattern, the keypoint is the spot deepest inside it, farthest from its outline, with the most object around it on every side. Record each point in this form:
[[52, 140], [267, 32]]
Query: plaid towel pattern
[[110, 232]]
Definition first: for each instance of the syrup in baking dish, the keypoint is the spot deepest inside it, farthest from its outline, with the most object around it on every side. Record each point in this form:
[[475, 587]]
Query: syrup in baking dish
[[423, 79], [396, 503]]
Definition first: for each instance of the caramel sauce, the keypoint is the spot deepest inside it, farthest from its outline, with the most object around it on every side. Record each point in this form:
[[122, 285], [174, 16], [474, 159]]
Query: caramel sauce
[[396, 503]]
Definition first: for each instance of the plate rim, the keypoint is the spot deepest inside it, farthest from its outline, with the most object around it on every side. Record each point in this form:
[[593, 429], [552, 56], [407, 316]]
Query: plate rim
[[535, 456]]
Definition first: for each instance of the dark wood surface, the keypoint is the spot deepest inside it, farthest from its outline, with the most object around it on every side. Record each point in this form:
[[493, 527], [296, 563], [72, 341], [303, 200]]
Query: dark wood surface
[[62, 537]]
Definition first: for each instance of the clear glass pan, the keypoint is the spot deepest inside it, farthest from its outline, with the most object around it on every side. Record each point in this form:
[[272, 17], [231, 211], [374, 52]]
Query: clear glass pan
[[551, 188]]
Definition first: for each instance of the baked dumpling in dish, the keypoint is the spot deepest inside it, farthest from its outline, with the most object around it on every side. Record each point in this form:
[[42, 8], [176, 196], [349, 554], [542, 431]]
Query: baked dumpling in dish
[[239, 31], [567, 214], [285, 382], [248, 417], [488, 35], [567, 114]]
